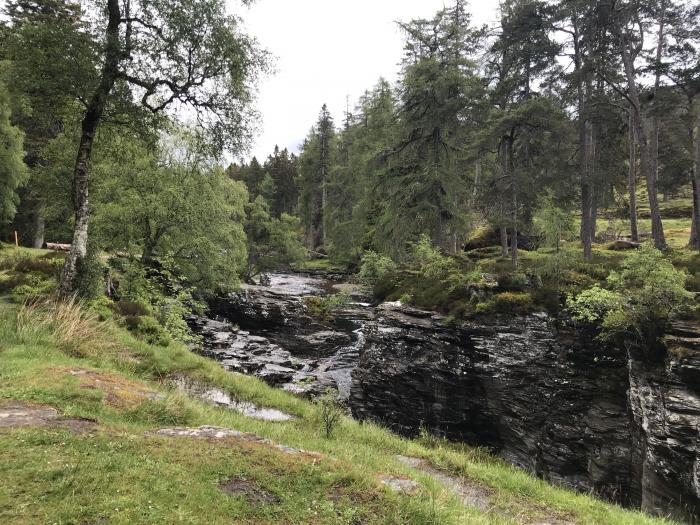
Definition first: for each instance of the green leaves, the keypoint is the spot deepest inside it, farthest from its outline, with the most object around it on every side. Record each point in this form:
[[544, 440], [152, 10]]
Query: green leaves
[[641, 299], [169, 203], [13, 172]]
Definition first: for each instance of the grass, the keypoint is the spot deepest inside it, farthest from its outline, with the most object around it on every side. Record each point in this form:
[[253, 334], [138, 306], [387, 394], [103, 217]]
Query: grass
[[121, 473], [319, 264]]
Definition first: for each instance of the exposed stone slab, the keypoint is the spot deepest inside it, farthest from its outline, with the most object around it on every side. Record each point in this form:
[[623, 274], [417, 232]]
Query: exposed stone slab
[[22, 415], [219, 433]]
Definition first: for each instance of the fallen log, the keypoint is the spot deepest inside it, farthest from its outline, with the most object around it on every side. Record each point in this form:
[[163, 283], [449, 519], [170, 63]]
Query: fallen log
[[57, 247]]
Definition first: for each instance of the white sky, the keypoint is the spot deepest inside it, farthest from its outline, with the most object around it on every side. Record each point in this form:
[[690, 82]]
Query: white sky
[[326, 50]]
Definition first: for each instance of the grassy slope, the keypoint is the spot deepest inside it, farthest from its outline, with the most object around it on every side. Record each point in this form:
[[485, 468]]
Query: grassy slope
[[121, 474]]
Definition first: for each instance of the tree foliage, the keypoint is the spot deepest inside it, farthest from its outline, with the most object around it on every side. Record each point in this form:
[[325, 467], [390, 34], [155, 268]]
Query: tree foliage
[[639, 301]]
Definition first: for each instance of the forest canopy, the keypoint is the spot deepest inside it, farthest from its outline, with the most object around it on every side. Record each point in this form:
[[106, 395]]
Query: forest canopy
[[566, 125]]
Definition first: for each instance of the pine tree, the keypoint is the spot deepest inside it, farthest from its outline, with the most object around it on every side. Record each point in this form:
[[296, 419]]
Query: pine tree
[[423, 184], [315, 164], [13, 171]]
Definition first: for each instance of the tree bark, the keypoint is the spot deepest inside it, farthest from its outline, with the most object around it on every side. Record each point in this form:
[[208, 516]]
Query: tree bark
[[38, 225], [645, 153], [585, 131], [587, 190], [696, 177], [654, 146], [504, 241], [632, 181], [81, 173], [693, 240]]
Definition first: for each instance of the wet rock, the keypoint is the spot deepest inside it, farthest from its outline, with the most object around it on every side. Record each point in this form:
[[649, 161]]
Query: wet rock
[[275, 374], [280, 343], [326, 340], [218, 397], [548, 399]]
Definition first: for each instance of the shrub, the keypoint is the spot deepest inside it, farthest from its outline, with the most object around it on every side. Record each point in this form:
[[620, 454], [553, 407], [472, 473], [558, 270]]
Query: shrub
[[594, 304], [375, 268], [50, 267], [132, 308], [331, 411], [430, 262], [513, 282], [324, 308], [102, 307], [158, 292], [149, 329], [641, 298], [31, 285]]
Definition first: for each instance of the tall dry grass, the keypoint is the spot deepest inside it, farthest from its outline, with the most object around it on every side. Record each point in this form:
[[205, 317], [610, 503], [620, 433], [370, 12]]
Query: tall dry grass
[[74, 329]]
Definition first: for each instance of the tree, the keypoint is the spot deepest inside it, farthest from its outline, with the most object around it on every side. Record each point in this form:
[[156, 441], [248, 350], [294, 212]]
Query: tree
[[171, 205], [627, 27], [522, 51], [13, 171], [584, 45], [683, 69], [47, 84], [187, 52], [355, 187], [282, 168], [422, 185], [315, 163], [272, 241]]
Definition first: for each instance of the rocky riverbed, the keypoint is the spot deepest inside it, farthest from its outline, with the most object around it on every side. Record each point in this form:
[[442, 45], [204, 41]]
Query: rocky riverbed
[[547, 398], [269, 332]]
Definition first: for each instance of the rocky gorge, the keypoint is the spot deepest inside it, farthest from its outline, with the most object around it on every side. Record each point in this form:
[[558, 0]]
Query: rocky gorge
[[544, 395]]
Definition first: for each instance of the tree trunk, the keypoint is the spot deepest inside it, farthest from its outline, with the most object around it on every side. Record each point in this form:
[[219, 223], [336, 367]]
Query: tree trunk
[[632, 181], [587, 190], [38, 225], [504, 241], [594, 214], [505, 153], [81, 179], [693, 241], [696, 176], [654, 145], [585, 127], [646, 163]]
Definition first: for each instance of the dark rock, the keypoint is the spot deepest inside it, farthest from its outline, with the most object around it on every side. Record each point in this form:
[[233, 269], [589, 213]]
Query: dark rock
[[549, 399]]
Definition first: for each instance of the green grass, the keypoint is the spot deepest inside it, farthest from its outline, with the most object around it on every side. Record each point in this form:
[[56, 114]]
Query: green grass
[[121, 473], [319, 264]]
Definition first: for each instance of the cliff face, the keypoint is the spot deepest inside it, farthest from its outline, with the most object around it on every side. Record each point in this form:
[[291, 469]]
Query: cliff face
[[550, 400]]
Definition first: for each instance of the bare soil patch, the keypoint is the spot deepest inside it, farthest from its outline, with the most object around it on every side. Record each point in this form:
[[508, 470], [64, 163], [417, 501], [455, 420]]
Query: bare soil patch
[[250, 491]]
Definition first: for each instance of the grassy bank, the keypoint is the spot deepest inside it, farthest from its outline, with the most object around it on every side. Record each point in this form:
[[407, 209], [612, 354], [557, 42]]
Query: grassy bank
[[112, 468]]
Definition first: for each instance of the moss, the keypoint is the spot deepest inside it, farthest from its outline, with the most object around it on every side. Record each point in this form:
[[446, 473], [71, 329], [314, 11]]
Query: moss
[[507, 303]]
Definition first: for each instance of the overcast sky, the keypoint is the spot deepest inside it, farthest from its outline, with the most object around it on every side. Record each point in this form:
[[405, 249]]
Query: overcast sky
[[326, 50]]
